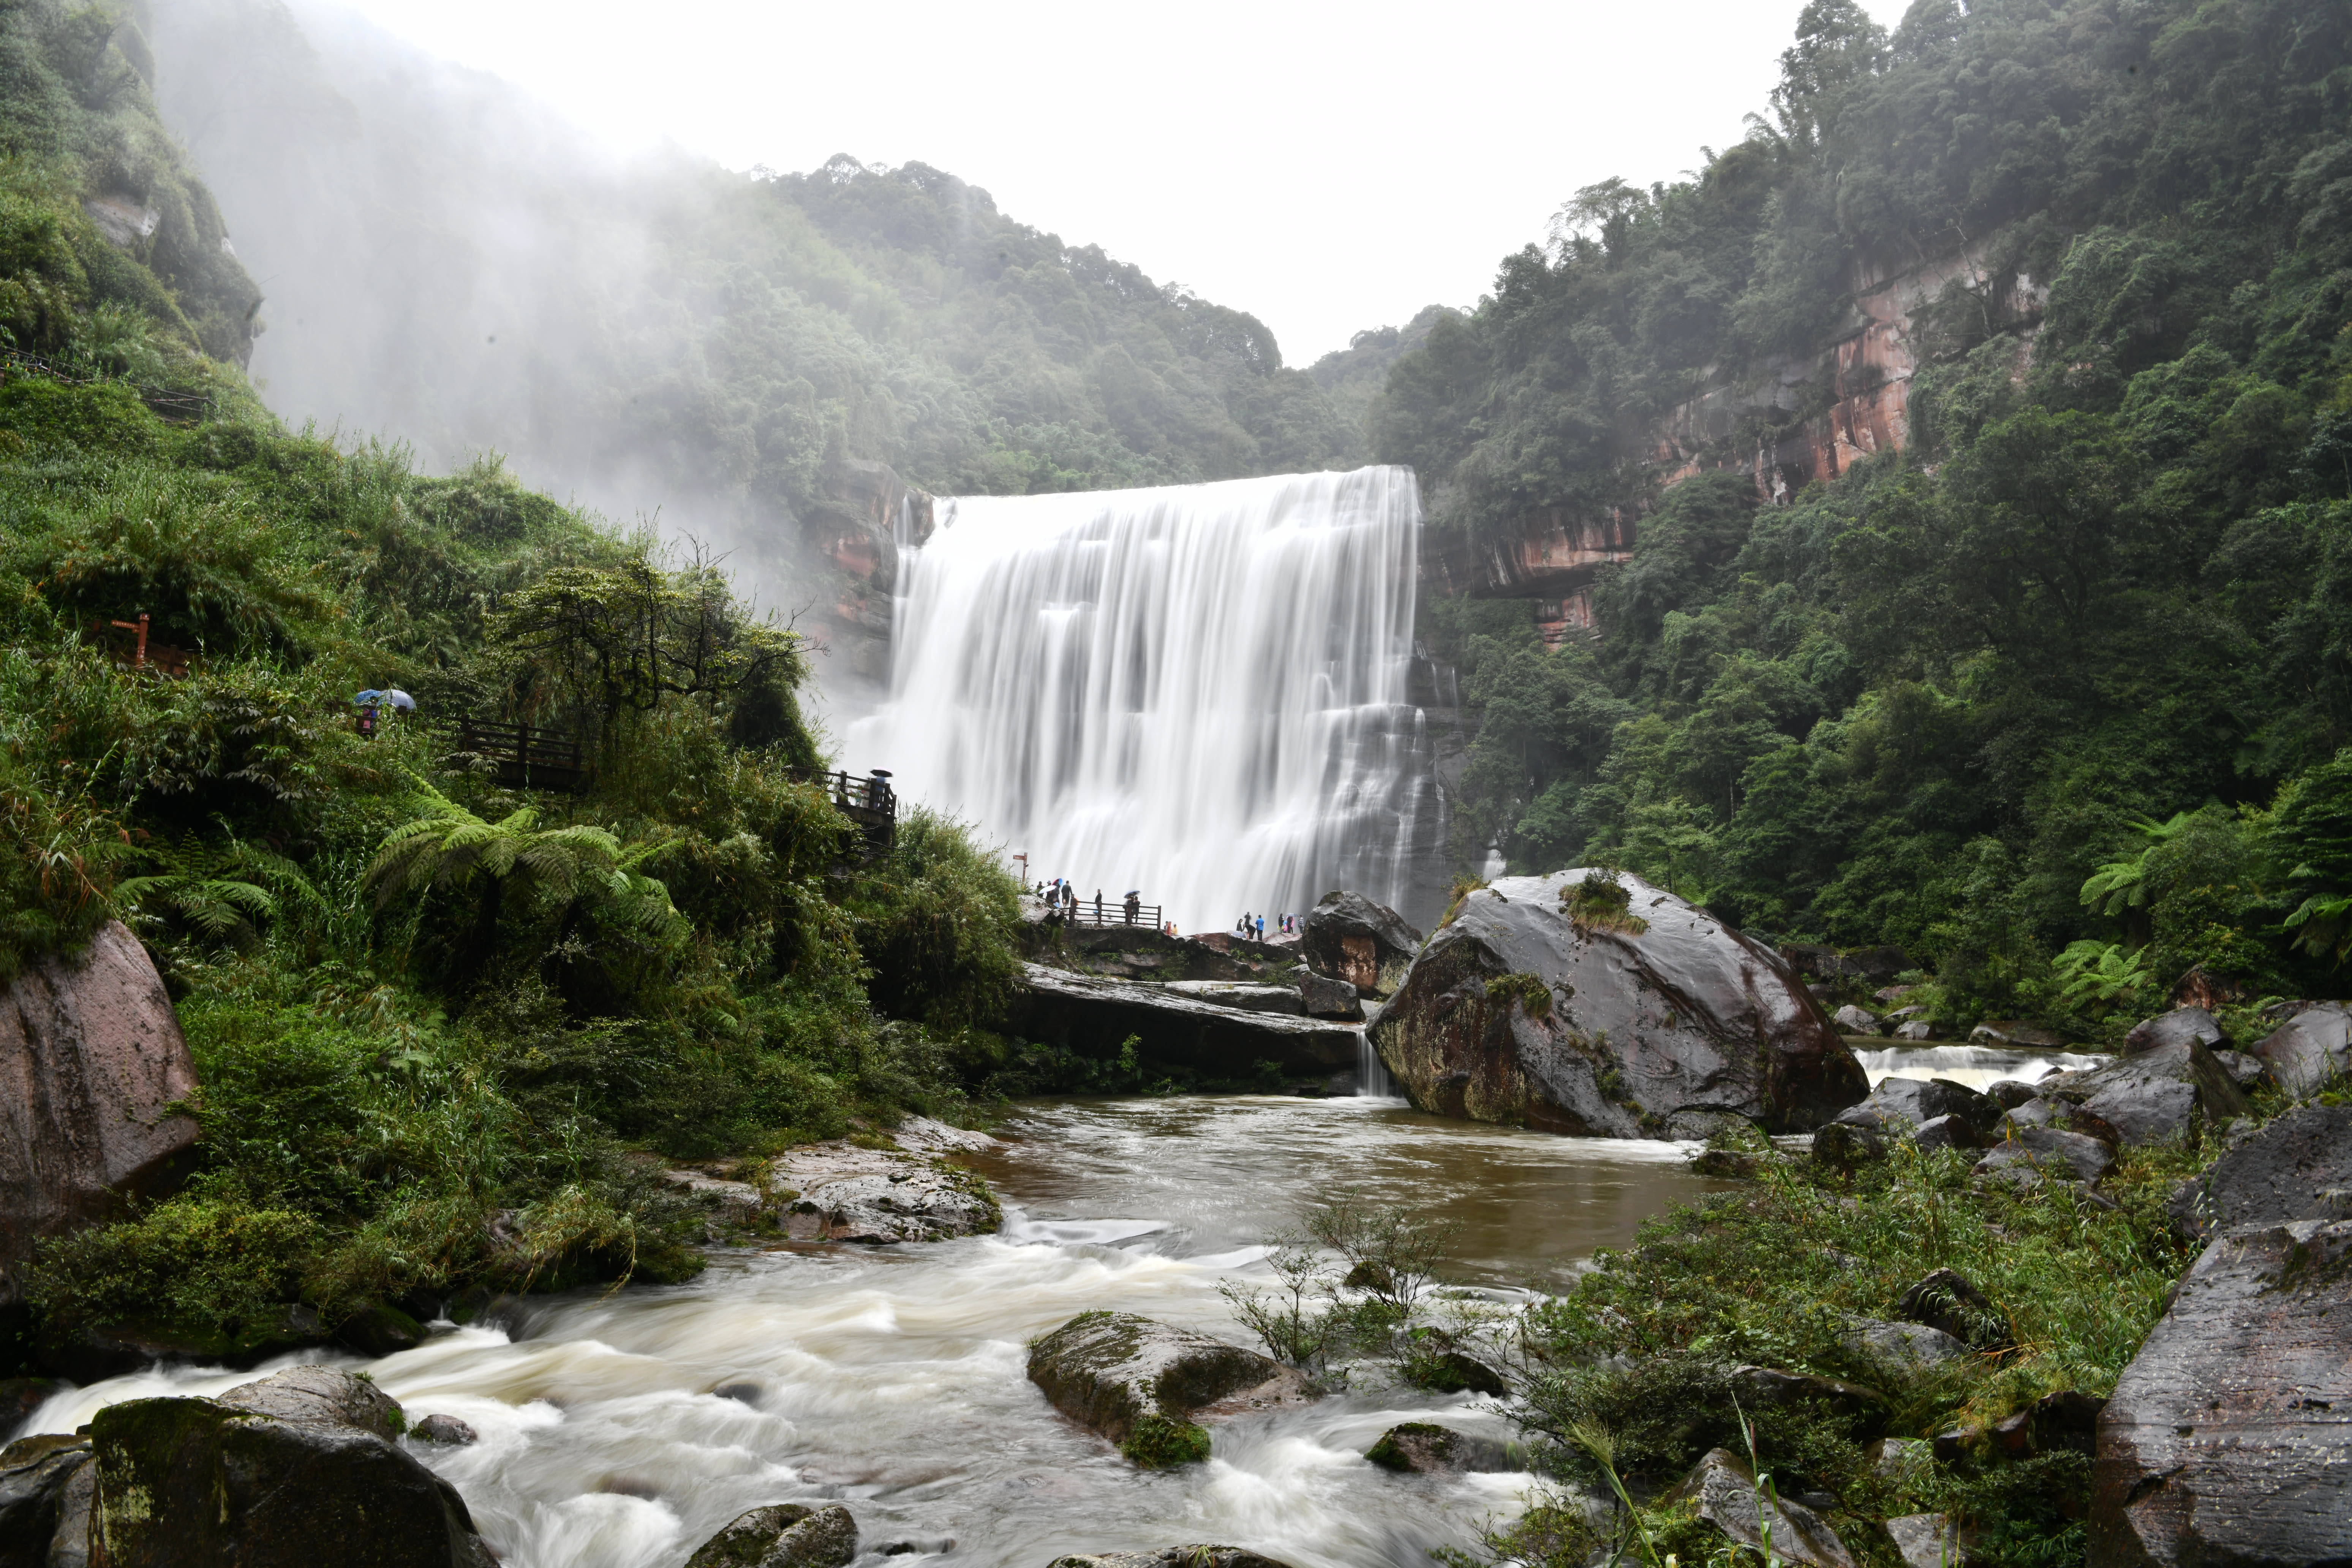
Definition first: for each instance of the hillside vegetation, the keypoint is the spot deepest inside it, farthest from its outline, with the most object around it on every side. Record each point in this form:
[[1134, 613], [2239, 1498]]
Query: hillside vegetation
[[2054, 699], [445, 1029]]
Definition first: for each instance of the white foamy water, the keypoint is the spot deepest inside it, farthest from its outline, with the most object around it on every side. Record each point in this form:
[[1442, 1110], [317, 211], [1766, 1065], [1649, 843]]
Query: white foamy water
[[1977, 1067], [1198, 691], [891, 1379]]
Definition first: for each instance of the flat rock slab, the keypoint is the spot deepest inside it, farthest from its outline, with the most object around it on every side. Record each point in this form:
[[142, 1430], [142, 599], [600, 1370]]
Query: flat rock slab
[[90, 1055], [1725, 1491], [2229, 1437], [1906, 1104], [841, 1191], [1248, 998], [1174, 1027], [2283, 1171], [2173, 1029], [1519, 1011], [319, 1396], [1113, 1373]]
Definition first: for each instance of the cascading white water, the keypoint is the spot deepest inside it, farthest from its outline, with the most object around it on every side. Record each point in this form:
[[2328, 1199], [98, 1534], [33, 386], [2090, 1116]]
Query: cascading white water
[[1198, 691]]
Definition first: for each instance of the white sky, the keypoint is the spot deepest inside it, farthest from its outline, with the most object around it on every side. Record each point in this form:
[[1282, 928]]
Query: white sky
[[1327, 167]]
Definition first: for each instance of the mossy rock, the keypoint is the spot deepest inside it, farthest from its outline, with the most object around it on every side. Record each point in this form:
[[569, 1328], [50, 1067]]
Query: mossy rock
[[1139, 1382], [1427, 1449], [783, 1535], [1156, 1443]]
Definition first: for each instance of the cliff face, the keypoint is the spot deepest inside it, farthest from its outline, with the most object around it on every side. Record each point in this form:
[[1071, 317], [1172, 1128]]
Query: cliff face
[[1805, 418], [855, 529]]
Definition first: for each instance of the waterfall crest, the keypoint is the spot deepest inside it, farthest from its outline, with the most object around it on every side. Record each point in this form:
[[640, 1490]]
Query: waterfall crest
[[1197, 691]]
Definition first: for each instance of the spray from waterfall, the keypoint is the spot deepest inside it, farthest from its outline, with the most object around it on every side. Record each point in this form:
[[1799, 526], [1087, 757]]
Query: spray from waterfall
[[1199, 692]]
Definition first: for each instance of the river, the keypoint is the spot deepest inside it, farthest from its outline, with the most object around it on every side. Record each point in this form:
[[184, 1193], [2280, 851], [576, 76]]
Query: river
[[892, 1379]]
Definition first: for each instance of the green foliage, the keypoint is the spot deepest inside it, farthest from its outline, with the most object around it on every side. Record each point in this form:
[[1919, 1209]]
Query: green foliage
[[1927, 703], [217, 1269], [1529, 990], [1157, 1443]]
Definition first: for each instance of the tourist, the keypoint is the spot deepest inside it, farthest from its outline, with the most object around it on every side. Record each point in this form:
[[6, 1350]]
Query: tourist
[[1098, 920], [1134, 905]]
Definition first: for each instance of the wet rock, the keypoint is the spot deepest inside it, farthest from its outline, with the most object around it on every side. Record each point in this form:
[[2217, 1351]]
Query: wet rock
[[1248, 998], [1724, 1490], [381, 1331], [1324, 997], [20, 1396], [288, 1472], [2067, 1420], [1347, 937], [2229, 1437], [2284, 1171], [783, 1535], [444, 1429], [1903, 1344], [1518, 1012], [916, 1203], [1853, 1020], [1140, 1384], [1090, 1012], [1428, 1450], [1904, 1104], [2010, 1093], [2047, 1151], [1918, 1030], [1898, 1458], [1948, 1133], [1171, 1557], [2176, 1027], [1928, 1540], [1946, 1300], [2057, 1113], [90, 1055], [1438, 1363], [2245, 1070], [2164, 1095], [1733, 1164], [2310, 1050], [35, 1476]]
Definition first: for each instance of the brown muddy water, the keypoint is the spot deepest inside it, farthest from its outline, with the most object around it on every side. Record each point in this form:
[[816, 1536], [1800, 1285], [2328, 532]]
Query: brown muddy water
[[891, 1378]]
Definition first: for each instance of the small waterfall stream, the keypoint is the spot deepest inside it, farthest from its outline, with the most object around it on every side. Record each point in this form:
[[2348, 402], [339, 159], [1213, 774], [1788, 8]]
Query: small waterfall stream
[[1198, 691]]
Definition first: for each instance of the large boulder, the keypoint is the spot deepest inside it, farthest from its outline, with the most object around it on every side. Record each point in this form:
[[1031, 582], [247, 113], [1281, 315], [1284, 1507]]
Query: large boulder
[[1324, 997], [1140, 1384], [783, 1535], [1649, 1022], [1170, 1557], [2284, 1171], [91, 1057], [288, 1472], [1723, 1492], [2229, 1438], [1348, 937], [2180, 1025], [38, 1478], [2029, 1155], [1427, 1449], [2310, 1050], [1175, 1028]]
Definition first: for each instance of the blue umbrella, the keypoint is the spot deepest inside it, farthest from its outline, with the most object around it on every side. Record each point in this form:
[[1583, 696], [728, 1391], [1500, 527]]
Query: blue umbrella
[[401, 700], [369, 695]]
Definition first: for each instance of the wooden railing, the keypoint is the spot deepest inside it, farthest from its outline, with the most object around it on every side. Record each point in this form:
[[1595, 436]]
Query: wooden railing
[[528, 756], [1112, 913]]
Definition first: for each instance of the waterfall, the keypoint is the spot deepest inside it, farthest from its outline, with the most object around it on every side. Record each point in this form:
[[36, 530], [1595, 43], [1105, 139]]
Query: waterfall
[[1199, 692]]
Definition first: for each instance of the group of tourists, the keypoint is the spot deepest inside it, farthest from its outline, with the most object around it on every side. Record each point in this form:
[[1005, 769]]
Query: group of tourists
[[1252, 928], [1063, 904]]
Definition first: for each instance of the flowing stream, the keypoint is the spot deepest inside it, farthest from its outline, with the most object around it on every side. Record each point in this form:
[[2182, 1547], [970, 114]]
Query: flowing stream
[[1199, 692], [892, 1378]]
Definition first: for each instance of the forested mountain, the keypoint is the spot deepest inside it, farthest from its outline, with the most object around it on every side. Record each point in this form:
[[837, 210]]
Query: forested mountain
[[2054, 697], [448, 263]]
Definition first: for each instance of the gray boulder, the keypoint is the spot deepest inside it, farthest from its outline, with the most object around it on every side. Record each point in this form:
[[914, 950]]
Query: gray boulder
[[2011, 1092], [1426, 1449], [285, 1473], [2038, 1113], [1170, 1557], [1347, 937], [447, 1430], [1769, 1388], [1853, 1020], [1904, 1345], [2310, 1050], [2245, 1070], [1929, 1541], [1173, 1027], [2284, 1171], [783, 1535], [2176, 1027], [2167, 1094], [1948, 1132], [2229, 1437], [1724, 1490], [37, 1476], [2036, 1153], [2015, 1034], [1324, 997], [1523, 1011], [90, 1055], [1918, 1030], [914, 1202], [1904, 1104], [1140, 1384]]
